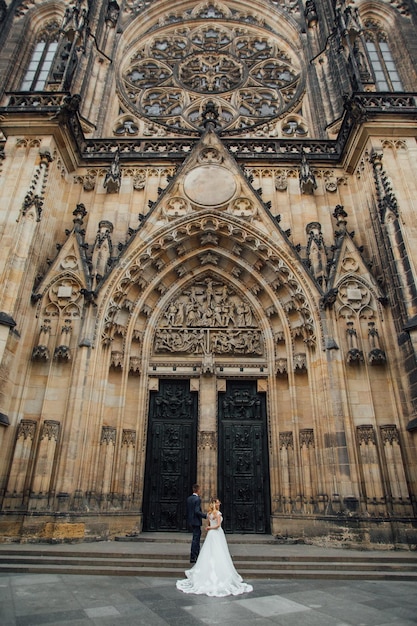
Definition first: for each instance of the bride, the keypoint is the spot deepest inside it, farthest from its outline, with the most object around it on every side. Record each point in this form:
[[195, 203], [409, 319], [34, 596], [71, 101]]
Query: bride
[[214, 573]]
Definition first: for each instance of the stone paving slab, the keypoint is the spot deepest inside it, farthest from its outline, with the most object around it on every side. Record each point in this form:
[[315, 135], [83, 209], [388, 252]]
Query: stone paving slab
[[65, 600]]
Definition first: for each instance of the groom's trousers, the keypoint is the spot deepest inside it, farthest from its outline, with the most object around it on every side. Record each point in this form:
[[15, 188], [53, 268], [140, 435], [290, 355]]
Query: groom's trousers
[[195, 543]]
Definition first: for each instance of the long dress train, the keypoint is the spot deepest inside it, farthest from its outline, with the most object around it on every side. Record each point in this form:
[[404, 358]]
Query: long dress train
[[214, 573]]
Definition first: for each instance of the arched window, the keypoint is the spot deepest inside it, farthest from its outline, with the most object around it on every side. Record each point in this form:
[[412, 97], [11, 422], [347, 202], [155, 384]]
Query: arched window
[[48, 61], [380, 59]]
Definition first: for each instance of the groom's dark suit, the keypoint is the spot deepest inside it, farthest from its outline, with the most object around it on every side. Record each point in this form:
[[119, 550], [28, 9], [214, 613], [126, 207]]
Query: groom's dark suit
[[194, 517]]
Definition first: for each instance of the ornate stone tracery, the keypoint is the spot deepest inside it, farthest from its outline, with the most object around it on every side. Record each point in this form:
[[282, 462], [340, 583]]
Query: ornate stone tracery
[[249, 76]]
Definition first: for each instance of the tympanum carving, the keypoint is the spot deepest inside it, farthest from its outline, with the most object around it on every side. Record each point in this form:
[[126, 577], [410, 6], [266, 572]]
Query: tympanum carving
[[209, 317]]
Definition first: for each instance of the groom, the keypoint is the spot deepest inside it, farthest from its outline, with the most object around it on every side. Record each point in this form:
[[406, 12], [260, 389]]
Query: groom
[[194, 517]]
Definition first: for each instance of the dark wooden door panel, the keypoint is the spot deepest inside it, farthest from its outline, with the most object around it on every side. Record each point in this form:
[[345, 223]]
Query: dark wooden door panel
[[171, 456], [243, 459]]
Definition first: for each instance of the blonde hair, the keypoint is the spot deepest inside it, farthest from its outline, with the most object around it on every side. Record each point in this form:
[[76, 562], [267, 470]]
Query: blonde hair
[[212, 504]]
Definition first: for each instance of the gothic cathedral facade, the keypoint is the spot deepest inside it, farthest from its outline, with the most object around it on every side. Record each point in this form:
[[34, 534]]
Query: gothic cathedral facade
[[209, 267]]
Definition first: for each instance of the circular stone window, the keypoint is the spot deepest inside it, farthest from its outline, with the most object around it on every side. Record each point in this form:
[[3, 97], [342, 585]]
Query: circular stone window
[[251, 76], [210, 185]]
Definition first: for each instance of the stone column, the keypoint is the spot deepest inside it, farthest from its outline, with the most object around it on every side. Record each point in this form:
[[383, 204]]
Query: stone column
[[286, 451], [307, 461], [127, 463], [398, 491], [207, 437], [42, 476], [18, 478], [371, 471], [107, 450]]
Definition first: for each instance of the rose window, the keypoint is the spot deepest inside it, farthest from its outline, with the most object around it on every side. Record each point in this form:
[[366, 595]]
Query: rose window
[[251, 78]]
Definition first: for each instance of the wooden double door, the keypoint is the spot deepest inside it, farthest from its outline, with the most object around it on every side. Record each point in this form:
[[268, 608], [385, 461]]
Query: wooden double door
[[171, 459]]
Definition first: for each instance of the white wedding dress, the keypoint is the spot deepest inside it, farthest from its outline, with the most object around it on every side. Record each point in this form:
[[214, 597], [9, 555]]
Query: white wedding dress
[[214, 573]]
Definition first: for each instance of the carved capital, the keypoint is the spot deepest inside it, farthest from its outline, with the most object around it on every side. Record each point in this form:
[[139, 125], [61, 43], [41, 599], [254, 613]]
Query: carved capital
[[366, 435], [108, 435], [129, 438], [207, 439], [307, 438], [50, 430], [40, 353], [300, 362], [390, 434], [26, 429], [286, 440], [281, 366], [134, 365], [116, 359]]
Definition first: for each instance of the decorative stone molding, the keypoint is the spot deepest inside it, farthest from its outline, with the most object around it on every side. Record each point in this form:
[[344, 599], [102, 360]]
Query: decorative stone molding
[[27, 429], [207, 439], [281, 182], [50, 430], [116, 359], [307, 438], [102, 251], [317, 253], [176, 207], [134, 365], [108, 435], [390, 434], [307, 179], [207, 365], [113, 177], [300, 362], [354, 355], [139, 181], [35, 196], [286, 440], [281, 366], [40, 353], [353, 293], [62, 353], [128, 438], [88, 180], [376, 356], [366, 435], [387, 200]]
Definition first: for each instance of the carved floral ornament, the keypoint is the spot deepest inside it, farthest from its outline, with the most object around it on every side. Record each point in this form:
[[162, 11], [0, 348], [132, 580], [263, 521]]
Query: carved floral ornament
[[249, 75]]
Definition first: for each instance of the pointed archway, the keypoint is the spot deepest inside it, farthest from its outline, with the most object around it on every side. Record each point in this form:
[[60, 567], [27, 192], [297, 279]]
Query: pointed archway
[[208, 294]]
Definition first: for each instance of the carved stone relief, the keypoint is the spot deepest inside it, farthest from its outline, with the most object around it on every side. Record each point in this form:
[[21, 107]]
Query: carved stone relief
[[209, 317]]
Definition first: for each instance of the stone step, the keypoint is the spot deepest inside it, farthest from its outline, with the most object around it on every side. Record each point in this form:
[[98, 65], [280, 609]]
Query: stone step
[[158, 561], [168, 560], [8, 554], [182, 537], [247, 573]]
